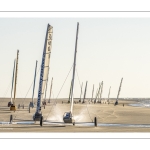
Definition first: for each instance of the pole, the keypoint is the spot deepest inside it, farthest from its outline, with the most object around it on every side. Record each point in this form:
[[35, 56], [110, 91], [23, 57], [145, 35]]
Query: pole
[[34, 83], [98, 90], [16, 77], [50, 90], [13, 80], [84, 93], [70, 92], [92, 93], [108, 94], [116, 103], [73, 76], [101, 91]]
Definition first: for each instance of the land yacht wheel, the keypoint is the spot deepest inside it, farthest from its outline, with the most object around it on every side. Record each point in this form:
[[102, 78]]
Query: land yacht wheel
[[41, 121]]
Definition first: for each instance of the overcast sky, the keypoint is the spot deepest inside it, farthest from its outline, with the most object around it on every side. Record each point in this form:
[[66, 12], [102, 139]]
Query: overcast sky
[[108, 49]]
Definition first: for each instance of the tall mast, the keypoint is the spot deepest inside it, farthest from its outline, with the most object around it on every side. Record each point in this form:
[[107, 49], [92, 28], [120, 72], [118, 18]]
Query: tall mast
[[13, 80], [81, 92], [109, 94], [50, 90], [96, 96], [84, 93], [101, 91], [70, 92], [34, 83], [92, 92], [74, 65], [118, 92], [16, 78], [44, 65], [98, 91]]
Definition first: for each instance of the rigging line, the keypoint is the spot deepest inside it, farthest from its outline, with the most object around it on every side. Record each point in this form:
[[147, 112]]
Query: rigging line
[[52, 105], [30, 87], [24, 99], [64, 82], [20, 89], [7, 89], [88, 112], [59, 92], [27, 93], [6, 92], [53, 96], [78, 78], [50, 110]]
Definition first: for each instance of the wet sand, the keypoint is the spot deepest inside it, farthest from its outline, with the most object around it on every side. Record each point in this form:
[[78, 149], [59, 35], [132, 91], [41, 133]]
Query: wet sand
[[108, 116]]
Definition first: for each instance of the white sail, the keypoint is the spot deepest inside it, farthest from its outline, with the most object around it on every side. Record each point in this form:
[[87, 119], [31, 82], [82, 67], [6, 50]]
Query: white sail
[[34, 82], [50, 90], [16, 70], [45, 64], [13, 80], [74, 65]]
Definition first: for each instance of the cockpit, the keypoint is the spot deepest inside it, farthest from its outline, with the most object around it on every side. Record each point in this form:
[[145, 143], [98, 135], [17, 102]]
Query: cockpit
[[67, 115]]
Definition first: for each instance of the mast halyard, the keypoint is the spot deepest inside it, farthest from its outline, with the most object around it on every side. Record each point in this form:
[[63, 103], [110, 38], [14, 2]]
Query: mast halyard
[[44, 71], [13, 107]]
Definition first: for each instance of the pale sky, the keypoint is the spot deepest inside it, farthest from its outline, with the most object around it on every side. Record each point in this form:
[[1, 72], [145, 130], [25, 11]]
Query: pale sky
[[108, 49]]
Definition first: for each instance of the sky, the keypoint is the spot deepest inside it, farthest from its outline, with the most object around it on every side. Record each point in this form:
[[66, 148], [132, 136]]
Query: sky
[[108, 49]]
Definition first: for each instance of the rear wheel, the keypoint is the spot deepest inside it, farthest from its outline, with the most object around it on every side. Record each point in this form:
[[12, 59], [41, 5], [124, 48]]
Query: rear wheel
[[95, 122], [41, 121]]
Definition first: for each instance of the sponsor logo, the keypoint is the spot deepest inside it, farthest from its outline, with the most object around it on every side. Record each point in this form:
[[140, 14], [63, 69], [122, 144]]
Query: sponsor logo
[[49, 38], [41, 79]]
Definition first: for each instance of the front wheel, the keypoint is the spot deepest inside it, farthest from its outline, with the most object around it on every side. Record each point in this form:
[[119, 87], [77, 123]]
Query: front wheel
[[73, 123]]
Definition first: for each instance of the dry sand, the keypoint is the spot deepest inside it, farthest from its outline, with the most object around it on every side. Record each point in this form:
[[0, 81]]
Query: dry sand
[[83, 113]]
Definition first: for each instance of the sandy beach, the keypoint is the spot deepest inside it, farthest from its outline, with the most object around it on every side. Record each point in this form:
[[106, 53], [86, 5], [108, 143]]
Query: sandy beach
[[110, 118]]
